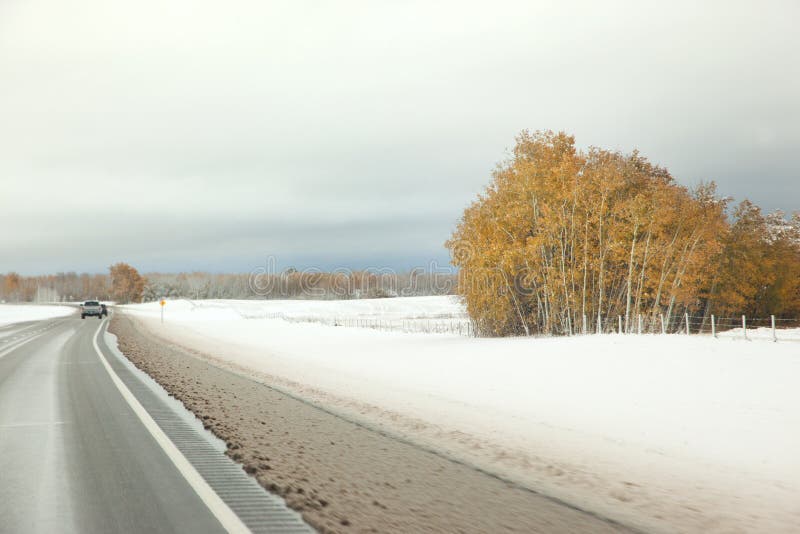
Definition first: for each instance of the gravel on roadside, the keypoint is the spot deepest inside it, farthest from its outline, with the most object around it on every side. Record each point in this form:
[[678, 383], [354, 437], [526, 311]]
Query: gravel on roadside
[[341, 476]]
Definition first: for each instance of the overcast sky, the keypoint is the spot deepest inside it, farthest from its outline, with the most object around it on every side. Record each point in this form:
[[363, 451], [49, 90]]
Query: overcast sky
[[183, 135]]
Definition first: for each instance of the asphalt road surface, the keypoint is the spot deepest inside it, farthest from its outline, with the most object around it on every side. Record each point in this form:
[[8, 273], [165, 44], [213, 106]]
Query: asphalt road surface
[[79, 454]]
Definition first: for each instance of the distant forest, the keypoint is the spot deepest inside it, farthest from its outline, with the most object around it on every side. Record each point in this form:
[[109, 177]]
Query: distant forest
[[289, 284]]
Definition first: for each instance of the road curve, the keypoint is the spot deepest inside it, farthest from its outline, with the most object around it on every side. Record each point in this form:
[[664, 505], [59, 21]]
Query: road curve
[[76, 457]]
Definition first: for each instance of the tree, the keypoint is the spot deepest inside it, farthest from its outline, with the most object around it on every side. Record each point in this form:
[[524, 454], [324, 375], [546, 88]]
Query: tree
[[759, 269], [563, 240], [11, 286], [126, 283]]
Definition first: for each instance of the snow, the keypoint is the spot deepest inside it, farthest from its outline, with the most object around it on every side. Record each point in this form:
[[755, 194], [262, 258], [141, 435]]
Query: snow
[[666, 433], [17, 313], [763, 334]]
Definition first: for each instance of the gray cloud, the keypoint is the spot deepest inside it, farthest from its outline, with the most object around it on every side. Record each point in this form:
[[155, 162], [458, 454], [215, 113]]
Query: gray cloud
[[207, 135]]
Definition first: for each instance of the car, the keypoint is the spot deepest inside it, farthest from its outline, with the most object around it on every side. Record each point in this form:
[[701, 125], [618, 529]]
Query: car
[[91, 308]]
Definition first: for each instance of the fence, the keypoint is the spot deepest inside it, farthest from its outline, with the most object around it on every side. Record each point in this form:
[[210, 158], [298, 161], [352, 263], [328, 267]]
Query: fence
[[425, 325], [743, 327]]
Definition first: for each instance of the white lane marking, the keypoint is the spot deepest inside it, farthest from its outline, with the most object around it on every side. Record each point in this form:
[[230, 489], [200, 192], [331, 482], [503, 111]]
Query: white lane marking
[[229, 520]]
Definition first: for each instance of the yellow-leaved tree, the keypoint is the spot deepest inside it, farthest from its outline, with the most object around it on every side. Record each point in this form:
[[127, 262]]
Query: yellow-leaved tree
[[127, 284], [564, 241]]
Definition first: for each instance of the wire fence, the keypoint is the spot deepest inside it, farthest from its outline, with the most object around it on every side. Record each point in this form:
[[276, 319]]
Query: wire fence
[[770, 328], [423, 325], [742, 326]]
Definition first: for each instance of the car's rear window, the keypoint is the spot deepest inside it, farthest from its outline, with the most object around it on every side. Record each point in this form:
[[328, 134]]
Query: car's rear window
[[91, 303]]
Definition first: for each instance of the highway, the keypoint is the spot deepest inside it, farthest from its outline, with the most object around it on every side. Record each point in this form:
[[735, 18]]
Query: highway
[[88, 446]]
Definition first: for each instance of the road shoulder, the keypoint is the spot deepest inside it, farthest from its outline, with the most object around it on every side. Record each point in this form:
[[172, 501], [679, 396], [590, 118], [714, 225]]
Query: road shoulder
[[341, 476]]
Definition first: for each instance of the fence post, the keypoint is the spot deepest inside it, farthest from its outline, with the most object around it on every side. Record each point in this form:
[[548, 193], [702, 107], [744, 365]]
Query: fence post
[[744, 326], [663, 326], [687, 322], [713, 327], [774, 337], [619, 330], [639, 330]]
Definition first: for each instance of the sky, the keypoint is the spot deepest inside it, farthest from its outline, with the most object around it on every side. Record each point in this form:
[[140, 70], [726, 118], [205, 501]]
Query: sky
[[197, 135]]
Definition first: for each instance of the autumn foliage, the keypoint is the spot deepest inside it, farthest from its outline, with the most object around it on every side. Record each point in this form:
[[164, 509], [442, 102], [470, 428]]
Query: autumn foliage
[[126, 283], [759, 273], [564, 240]]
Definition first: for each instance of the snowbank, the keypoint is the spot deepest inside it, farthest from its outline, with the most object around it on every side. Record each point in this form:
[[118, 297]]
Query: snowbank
[[17, 313], [667, 433]]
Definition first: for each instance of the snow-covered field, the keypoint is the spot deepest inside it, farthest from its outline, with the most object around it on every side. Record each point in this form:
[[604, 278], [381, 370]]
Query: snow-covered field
[[17, 313], [389, 308], [668, 433], [415, 314]]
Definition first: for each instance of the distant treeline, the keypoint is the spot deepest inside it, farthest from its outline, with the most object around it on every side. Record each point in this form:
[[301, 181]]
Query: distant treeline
[[289, 284], [294, 284], [54, 287], [565, 240]]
